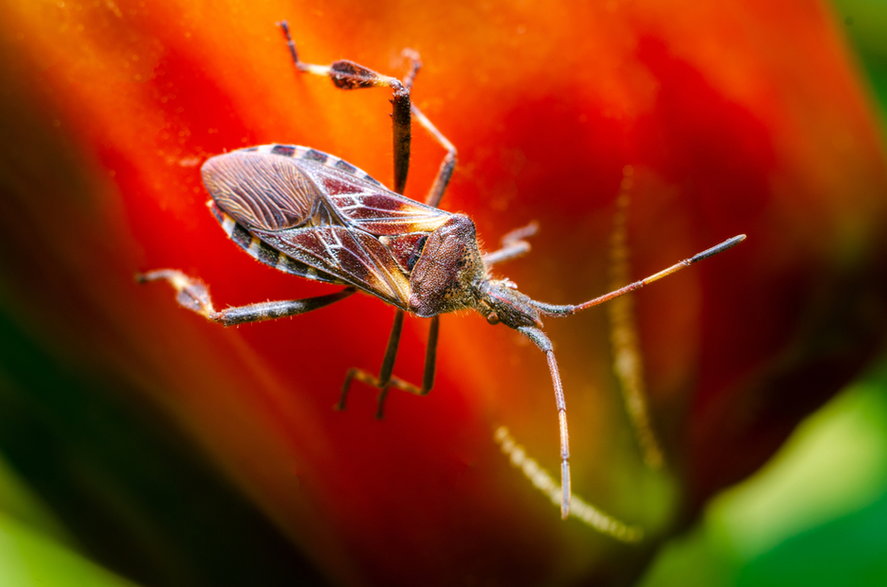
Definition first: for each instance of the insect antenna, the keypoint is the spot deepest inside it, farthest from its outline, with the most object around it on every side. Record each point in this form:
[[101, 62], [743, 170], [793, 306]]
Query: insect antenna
[[542, 341], [567, 310]]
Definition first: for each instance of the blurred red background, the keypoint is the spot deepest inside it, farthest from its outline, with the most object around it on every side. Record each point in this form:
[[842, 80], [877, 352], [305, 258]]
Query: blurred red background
[[742, 118]]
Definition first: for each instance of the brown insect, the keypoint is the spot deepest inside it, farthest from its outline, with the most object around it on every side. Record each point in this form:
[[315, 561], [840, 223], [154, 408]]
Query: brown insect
[[314, 215]]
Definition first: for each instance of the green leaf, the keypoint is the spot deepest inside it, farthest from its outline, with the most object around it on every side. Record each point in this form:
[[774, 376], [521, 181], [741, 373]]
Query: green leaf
[[29, 558]]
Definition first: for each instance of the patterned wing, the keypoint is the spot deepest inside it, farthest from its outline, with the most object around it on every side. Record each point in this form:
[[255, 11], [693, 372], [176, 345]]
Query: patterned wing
[[360, 201], [325, 218], [348, 255], [276, 187], [264, 191], [378, 210]]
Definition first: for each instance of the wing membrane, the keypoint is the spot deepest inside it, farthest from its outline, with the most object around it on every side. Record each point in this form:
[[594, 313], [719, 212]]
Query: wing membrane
[[349, 255], [272, 192], [258, 191], [367, 205], [324, 215]]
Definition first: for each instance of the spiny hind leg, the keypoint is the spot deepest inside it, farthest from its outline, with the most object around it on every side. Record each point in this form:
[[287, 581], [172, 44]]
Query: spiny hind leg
[[348, 75], [193, 294]]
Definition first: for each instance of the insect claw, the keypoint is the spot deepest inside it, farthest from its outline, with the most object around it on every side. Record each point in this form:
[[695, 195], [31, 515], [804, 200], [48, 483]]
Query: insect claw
[[196, 297], [190, 293]]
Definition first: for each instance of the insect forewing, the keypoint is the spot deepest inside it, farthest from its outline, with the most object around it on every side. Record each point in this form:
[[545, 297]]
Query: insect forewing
[[328, 219], [265, 192], [351, 256]]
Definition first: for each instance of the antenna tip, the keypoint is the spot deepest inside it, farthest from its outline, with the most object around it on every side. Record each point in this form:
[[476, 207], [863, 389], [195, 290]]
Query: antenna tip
[[730, 242]]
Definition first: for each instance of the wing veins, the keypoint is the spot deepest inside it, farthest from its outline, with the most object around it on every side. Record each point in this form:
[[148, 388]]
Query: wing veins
[[378, 278]]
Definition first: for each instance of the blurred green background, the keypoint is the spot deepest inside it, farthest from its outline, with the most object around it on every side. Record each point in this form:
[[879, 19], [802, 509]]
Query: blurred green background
[[815, 515]]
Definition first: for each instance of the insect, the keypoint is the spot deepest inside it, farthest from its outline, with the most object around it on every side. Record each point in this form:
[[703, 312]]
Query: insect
[[314, 215]]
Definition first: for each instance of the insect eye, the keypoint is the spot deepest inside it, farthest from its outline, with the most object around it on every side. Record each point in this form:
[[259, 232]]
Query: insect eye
[[493, 318]]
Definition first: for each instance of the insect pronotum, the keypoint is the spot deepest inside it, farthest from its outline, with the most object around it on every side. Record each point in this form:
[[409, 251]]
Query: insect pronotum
[[314, 215]]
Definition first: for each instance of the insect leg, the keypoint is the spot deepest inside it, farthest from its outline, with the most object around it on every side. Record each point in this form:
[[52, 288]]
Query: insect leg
[[387, 367], [430, 356], [384, 377], [447, 166], [428, 374], [513, 245], [347, 75], [193, 294], [415, 66]]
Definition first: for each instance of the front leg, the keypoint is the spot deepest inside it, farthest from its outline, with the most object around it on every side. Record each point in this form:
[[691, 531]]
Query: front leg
[[193, 294]]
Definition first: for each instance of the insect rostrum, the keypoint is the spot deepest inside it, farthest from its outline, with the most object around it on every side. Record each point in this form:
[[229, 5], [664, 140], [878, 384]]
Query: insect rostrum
[[314, 215]]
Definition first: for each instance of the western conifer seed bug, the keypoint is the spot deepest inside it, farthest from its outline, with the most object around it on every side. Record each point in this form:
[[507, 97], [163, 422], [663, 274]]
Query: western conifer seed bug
[[314, 215]]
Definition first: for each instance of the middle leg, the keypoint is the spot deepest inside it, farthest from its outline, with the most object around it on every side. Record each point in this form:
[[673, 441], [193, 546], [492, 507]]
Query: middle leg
[[385, 381]]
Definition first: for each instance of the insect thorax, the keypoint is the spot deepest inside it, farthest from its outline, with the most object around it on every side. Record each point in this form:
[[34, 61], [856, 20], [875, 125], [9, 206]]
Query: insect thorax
[[444, 277]]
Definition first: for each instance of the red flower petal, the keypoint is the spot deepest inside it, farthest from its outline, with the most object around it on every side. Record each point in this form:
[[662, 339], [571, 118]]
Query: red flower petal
[[740, 118]]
